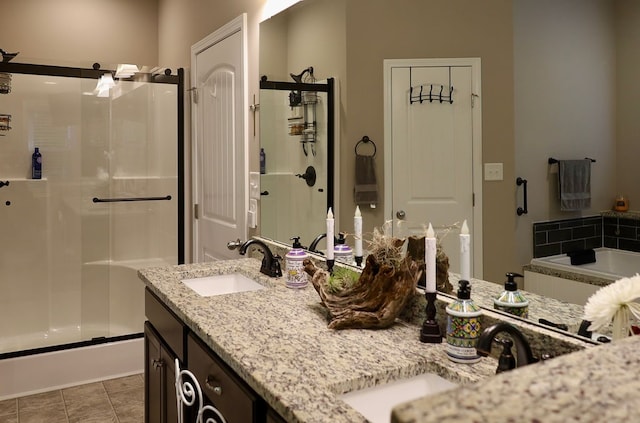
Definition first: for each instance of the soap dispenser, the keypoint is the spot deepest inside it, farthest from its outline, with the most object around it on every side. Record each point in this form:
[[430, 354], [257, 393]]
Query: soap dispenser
[[341, 251], [511, 300], [463, 327], [296, 277]]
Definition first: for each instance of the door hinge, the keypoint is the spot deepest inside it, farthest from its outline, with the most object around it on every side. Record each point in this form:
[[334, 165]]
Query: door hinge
[[196, 211], [194, 94]]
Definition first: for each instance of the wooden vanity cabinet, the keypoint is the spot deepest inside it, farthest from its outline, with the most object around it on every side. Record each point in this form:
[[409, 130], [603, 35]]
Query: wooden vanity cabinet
[[222, 387], [163, 342], [166, 338]]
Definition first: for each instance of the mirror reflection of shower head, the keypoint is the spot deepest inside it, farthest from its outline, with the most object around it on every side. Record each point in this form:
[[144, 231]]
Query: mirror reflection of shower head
[[298, 78]]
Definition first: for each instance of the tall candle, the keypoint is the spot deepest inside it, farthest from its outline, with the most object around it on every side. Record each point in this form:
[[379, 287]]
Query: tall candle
[[330, 236], [465, 253], [430, 259], [357, 229]]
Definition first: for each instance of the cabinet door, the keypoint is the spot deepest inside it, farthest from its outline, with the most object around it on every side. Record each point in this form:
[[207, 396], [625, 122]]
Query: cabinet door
[[152, 376], [159, 379]]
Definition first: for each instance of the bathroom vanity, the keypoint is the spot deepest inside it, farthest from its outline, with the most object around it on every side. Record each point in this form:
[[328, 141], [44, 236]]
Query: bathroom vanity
[[272, 348]]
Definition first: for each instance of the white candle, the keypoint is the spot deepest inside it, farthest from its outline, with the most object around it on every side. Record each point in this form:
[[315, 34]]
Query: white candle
[[357, 229], [465, 253], [430, 259], [330, 236]]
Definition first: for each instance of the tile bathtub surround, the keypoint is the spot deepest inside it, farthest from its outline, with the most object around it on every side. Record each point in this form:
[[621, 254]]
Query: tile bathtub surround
[[563, 236], [622, 231], [118, 400]]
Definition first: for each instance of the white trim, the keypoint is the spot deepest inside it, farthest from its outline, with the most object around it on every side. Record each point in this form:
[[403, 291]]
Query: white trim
[[475, 64], [238, 24]]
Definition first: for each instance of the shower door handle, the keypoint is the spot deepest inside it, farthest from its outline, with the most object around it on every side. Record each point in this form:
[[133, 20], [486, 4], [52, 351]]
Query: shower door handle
[[115, 200]]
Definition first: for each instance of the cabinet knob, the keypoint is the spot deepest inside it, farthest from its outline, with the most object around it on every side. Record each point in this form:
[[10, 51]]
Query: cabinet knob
[[211, 384], [157, 363], [400, 214]]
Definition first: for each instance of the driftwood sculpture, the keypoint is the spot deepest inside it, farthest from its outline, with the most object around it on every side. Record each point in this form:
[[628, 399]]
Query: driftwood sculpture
[[377, 297]]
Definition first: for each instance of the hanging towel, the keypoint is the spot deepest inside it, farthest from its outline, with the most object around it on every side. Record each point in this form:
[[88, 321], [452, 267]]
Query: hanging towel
[[365, 191], [574, 184]]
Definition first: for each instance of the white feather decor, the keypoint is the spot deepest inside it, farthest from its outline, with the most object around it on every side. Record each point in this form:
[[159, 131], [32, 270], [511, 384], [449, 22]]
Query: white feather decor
[[615, 303]]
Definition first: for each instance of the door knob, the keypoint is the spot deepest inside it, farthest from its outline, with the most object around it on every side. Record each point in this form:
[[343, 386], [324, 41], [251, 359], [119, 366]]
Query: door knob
[[400, 214]]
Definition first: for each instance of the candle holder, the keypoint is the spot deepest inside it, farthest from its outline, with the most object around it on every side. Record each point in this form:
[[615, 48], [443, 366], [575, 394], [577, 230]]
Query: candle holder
[[330, 264], [358, 260], [430, 332]]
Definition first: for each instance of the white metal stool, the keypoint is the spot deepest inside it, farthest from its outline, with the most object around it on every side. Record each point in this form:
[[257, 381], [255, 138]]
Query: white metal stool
[[188, 391]]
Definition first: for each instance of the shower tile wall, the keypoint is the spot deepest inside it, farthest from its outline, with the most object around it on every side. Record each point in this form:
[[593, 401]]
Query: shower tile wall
[[563, 236]]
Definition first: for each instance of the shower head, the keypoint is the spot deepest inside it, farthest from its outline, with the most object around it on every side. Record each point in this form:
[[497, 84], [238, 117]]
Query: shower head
[[7, 56]]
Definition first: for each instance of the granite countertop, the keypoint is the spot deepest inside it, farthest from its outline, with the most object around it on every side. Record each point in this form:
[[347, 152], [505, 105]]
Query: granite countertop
[[278, 342], [594, 385]]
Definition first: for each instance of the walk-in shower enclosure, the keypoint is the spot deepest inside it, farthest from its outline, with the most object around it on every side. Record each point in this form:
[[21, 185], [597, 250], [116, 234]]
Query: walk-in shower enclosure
[[108, 203]]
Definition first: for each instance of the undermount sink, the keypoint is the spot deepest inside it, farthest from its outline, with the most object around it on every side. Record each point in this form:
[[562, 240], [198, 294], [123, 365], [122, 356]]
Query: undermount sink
[[376, 403], [209, 286]]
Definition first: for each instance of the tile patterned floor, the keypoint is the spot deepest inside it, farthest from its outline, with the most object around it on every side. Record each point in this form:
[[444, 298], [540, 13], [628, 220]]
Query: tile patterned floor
[[111, 401]]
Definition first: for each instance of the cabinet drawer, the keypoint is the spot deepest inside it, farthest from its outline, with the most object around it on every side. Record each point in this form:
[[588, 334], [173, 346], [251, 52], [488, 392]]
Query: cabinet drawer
[[228, 393], [170, 328]]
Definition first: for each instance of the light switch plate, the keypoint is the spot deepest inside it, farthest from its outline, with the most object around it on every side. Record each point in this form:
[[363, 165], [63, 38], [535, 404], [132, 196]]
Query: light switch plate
[[493, 172], [254, 185]]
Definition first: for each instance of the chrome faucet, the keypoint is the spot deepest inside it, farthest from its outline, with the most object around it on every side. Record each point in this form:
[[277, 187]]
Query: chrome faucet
[[270, 264], [524, 355]]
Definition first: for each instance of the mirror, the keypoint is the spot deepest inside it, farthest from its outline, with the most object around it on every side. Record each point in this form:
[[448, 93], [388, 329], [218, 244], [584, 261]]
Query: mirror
[[296, 148], [463, 26]]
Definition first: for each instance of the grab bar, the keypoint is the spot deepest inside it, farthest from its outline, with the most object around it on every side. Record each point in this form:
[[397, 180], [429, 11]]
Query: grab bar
[[522, 210], [115, 200]]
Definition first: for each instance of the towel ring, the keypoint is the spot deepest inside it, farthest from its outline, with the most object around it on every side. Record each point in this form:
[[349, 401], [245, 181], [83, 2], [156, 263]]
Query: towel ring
[[366, 140]]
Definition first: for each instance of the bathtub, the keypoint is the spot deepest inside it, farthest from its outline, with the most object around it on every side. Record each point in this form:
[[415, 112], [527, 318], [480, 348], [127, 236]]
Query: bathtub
[[113, 308], [610, 264], [556, 277]]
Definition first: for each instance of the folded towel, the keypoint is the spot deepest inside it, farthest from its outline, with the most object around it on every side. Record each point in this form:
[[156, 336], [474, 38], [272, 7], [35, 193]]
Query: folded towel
[[574, 184], [366, 186]]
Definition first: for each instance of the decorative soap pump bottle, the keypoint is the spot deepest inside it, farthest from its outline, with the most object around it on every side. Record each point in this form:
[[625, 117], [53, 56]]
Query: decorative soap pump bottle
[[296, 277], [463, 327], [341, 251], [511, 300]]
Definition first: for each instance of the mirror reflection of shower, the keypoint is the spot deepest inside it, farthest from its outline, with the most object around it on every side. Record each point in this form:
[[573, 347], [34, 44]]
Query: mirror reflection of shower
[[296, 135]]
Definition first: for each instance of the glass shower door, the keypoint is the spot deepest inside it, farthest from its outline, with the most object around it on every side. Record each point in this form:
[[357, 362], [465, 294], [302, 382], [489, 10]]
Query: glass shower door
[[68, 263]]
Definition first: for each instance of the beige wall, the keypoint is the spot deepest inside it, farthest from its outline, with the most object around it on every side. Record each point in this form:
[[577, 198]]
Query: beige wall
[[628, 90], [81, 32], [437, 29]]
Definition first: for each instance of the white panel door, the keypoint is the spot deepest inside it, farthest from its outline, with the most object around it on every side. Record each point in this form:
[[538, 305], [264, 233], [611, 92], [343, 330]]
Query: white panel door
[[432, 155], [220, 147]]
